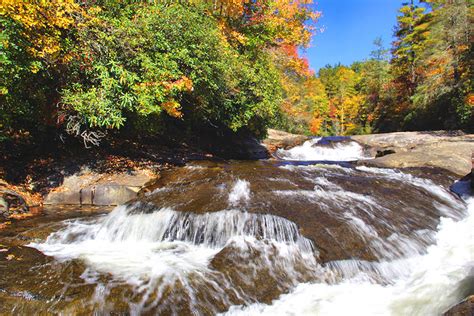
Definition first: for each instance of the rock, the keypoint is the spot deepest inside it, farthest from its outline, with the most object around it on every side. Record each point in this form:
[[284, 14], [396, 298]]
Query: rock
[[90, 188], [114, 194], [205, 187], [472, 171], [4, 207], [17, 202], [279, 139], [451, 151], [465, 308]]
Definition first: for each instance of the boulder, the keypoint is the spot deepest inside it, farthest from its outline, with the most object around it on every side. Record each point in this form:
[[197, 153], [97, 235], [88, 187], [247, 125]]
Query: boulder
[[451, 151], [91, 188], [279, 139], [17, 202], [465, 308]]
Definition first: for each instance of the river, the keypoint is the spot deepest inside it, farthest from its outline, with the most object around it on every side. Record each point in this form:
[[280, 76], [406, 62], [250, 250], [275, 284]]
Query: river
[[309, 233]]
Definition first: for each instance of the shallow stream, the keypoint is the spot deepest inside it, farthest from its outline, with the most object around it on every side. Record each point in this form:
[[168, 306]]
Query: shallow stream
[[309, 233]]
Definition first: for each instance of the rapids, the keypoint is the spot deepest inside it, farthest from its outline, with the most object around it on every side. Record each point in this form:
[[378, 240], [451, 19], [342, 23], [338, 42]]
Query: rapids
[[310, 233]]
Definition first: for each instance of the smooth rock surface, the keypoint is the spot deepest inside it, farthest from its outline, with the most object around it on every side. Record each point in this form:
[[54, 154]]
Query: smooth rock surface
[[90, 188], [451, 151], [465, 308]]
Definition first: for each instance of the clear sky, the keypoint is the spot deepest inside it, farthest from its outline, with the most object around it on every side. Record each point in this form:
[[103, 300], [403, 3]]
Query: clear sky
[[350, 27]]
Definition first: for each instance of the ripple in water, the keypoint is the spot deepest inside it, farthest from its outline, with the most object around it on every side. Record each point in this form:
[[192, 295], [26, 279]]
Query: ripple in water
[[424, 285], [236, 262]]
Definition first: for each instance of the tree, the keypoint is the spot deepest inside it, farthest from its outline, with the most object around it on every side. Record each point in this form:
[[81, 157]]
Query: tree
[[443, 94], [375, 77]]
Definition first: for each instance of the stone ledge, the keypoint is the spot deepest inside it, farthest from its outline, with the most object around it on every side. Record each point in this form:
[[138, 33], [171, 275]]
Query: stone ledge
[[89, 188]]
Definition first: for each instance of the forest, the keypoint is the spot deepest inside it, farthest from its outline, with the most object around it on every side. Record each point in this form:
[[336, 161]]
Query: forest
[[89, 70], [422, 82]]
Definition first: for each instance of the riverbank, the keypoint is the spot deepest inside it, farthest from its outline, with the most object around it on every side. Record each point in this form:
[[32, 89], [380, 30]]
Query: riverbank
[[117, 172]]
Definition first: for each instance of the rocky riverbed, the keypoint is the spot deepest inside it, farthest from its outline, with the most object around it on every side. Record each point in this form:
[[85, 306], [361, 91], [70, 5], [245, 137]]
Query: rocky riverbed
[[250, 236]]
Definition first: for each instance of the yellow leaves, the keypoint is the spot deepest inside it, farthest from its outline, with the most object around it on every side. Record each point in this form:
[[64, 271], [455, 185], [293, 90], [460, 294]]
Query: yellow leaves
[[34, 68], [171, 90], [44, 22], [173, 108], [230, 35], [289, 21]]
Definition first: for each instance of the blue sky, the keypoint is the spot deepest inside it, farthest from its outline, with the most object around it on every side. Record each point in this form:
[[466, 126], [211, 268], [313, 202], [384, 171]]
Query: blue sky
[[350, 27]]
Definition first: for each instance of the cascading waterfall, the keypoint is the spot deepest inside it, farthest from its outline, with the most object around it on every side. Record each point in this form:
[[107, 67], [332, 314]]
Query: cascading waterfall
[[313, 150], [216, 240], [420, 285], [155, 249]]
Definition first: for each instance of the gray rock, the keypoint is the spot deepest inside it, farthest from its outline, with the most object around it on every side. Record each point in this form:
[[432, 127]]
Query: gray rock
[[4, 207], [90, 188], [472, 171], [450, 151], [112, 194]]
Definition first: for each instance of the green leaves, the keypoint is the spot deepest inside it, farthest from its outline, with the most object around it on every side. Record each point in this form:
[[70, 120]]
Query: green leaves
[[175, 62]]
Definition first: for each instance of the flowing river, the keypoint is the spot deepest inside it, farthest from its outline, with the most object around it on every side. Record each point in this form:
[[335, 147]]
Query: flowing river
[[309, 233]]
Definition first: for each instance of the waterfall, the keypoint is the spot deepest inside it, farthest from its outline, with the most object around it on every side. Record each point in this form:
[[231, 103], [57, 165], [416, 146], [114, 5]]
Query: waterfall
[[420, 285], [317, 150], [278, 239]]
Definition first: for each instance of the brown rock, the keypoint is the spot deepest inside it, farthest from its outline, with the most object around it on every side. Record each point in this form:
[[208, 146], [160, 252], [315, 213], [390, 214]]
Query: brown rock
[[465, 308], [279, 139]]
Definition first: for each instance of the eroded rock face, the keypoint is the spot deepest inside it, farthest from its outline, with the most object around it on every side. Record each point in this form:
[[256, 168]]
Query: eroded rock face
[[451, 151], [90, 188]]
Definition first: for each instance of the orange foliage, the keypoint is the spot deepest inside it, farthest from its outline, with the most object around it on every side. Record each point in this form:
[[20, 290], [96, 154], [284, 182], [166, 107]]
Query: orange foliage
[[173, 108], [315, 125]]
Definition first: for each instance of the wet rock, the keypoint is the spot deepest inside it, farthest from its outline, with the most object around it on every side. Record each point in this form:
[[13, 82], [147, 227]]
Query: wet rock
[[279, 139], [465, 308], [331, 141], [451, 151], [319, 199], [90, 188]]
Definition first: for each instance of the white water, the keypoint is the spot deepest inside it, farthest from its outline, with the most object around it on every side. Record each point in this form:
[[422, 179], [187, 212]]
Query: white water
[[158, 251], [312, 151], [240, 192], [163, 241], [153, 249], [428, 285]]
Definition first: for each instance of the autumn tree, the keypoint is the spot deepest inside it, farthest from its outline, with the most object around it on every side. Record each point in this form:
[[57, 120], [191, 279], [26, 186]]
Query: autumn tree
[[430, 66], [375, 79], [443, 94], [36, 38]]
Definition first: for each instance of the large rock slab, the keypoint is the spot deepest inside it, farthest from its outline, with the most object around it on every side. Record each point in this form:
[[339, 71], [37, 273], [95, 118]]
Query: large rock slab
[[451, 151], [278, 139], [90, 188]]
